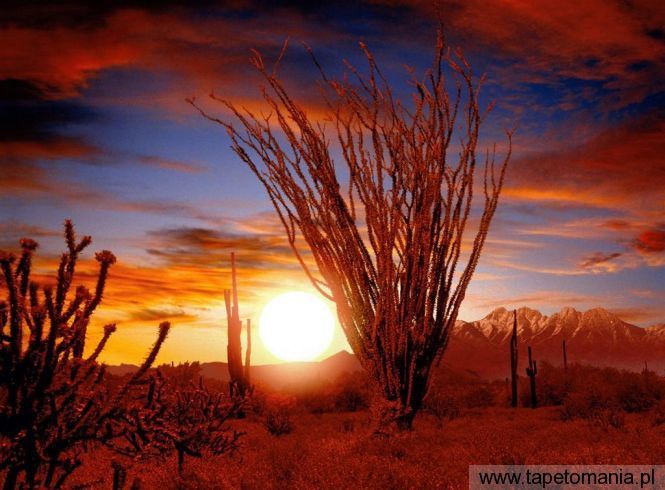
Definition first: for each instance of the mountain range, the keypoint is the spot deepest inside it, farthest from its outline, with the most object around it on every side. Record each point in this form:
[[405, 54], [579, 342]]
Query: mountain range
[[596, 337]]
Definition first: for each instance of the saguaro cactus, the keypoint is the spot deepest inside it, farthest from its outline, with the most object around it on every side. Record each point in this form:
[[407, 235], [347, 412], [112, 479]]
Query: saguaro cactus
[[531, 372], [248, 352], [513, 360], [565, 356], [239, 374]]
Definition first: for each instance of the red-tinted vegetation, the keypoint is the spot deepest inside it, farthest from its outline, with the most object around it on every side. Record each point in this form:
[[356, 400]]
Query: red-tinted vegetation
[[66, 421], [385, 233], [57, 405], [463, 416]]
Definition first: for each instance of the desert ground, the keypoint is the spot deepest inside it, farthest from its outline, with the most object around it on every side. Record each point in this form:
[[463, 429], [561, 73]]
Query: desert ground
[[323, 436], [337, 450]]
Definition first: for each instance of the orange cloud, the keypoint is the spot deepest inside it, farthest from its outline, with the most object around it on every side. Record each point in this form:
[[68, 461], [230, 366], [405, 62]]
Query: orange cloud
[[616, 43], [183, 281], [539, 299], [651, 241], [640, 315], [598, 260], [62, 60], [620, 167]]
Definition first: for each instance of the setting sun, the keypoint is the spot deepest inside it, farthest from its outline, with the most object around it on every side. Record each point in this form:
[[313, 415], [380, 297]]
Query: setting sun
[[296, 326]]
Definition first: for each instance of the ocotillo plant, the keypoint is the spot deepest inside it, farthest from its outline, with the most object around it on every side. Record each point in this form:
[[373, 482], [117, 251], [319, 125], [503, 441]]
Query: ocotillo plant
[[54, 403], [531, 372], [513, 361], [386, 232], [239, 375]]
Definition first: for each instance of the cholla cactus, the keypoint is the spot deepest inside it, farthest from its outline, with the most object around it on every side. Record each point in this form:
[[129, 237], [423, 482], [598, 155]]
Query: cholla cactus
[[189, 421], [54, 403], [386, 232]]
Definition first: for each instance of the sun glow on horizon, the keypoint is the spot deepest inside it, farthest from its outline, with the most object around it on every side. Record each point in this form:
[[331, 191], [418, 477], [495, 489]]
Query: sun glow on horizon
[[296, 326]]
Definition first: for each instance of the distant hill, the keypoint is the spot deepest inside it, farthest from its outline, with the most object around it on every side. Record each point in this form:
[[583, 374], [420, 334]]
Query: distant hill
[[595, 337], [277, 375]]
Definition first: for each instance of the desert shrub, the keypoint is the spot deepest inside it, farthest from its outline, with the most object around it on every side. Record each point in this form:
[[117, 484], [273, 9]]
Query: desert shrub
[[584, 391], [586, 405], [351, 392], [316, 398], [639, 392], [181, 375], [443, 406], [576, 405], [348, 425], [658, 414], [257, 403], [480, 396], [277, 414], [552, 384], [605, 394], [611, 417], [278, 421], [452, 392]]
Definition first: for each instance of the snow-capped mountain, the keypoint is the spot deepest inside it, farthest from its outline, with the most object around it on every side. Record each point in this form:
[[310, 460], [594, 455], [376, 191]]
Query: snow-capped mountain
[[596, 336]]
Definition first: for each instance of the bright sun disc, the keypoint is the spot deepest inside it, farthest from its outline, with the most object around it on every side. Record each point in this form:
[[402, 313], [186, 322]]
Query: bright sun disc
[[296, 326]]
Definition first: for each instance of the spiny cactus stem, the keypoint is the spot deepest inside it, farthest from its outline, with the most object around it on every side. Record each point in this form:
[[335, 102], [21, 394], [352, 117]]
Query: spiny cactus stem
[[164, 328], [238, 373], [532, 371], [108, 331], [248, 352], [234, 285], [14, 308], [106, 259], [513, 361]]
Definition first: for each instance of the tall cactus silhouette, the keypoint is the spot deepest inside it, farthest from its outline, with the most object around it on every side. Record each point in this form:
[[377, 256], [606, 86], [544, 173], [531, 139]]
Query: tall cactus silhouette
[[531, 372], [54, 403], [513, 361], [248, 353], [239, 375]]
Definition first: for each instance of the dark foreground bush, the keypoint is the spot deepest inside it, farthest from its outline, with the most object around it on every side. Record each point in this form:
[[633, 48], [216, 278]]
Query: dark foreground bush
[[55, 404]]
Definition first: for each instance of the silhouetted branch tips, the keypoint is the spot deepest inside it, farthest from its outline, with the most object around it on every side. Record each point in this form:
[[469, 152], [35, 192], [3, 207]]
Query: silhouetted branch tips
[[387, 242]]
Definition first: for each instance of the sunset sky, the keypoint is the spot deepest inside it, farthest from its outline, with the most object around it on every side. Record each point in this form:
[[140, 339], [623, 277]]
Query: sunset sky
[[95, 128]]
